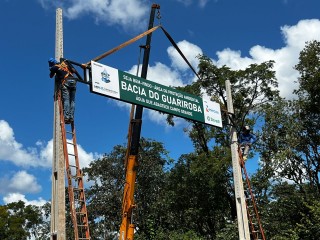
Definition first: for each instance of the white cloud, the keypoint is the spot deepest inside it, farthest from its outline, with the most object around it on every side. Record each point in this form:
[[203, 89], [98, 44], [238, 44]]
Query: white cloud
[[306, 30], [285, 58], [160, 73], [46, 152], [84, 157], [15, 185], [232, 59], [161, 119], [122, 12], [201, 3], [185, 2], [24, 182], [295, 38], [111, 12], [189, 50], [21, 182], [39, 156], [11, 150], [15, 197]]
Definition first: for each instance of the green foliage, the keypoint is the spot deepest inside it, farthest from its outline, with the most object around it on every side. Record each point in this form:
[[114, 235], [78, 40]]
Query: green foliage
[[309, 69], [291, 133], [105, 195], [308, 112], [196, 194], [195, 184], [193, 198], [229, 232], [175, 203], [18, 221], [292, 214], [289, 150], [170, 235], [308, 227], [251, 88]]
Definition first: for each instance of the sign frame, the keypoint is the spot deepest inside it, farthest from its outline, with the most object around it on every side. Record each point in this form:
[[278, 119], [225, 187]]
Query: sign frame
[[111, 82]]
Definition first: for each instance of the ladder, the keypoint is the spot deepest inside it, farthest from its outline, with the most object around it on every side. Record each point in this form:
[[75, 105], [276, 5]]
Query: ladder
[[78, 209], [256, 229]]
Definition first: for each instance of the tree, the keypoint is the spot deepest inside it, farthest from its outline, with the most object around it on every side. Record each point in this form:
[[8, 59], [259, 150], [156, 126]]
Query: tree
[[197, 194], [308, 111], [252, 89], [18, 221], [309, 69], [194, 198], [289, 146], [291, 134], [106, 193]]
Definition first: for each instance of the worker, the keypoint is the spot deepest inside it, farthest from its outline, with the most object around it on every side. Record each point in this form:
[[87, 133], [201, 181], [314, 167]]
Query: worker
[[67, 83], [246, 140]]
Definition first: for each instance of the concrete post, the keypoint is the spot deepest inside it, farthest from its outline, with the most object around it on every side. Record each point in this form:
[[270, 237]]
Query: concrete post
[[58, 214], [242, 216]]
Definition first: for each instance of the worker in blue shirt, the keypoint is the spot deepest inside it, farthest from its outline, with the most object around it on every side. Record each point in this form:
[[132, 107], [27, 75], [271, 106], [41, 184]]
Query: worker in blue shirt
[[67, 84], [246, 140]]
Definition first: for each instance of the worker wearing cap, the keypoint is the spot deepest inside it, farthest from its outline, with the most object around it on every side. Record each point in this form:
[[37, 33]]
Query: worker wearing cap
[[246, 140], [67, 83]]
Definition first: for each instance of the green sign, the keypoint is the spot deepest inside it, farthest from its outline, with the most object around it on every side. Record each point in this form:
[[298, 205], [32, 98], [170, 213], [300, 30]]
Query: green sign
[[117, 84]]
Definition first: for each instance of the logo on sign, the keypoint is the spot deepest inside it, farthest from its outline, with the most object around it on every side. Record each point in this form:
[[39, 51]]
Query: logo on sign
[[208, 109], [105, 76]]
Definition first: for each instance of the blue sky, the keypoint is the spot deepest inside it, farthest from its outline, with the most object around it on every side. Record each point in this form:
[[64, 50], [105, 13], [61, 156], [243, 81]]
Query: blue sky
[[232, 33]]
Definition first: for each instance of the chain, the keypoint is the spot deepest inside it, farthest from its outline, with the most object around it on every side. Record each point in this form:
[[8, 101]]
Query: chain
[[159, 16]]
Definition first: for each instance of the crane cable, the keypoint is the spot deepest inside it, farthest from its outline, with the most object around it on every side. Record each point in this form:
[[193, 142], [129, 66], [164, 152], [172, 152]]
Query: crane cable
[[137, 38], [179, 51]]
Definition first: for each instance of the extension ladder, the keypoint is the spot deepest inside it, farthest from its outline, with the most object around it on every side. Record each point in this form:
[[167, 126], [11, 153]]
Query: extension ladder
[[256, 229], [77, 201]]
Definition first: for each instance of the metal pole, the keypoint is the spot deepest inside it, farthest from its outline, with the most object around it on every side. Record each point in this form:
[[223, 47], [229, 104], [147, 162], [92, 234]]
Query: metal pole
[[127, 226], [58, 214], [242, 216], [139, 109]]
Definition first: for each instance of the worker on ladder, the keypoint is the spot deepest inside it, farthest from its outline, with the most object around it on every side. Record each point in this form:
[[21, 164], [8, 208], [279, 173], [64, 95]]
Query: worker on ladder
[[67, 83], [246, 140]]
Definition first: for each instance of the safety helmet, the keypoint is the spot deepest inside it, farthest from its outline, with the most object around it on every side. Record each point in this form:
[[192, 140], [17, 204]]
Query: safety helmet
[[52, 61]]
